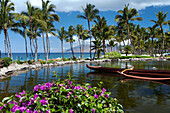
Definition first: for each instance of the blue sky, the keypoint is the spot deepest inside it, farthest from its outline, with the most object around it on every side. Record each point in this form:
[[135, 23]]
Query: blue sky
[[69, 9]]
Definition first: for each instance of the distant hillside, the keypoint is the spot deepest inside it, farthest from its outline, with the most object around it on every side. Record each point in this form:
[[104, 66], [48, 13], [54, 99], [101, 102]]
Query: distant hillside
[[87, 49], [77, 49]]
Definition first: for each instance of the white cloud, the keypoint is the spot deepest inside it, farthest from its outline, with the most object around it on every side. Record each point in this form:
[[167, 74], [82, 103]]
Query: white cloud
[[75, 5]]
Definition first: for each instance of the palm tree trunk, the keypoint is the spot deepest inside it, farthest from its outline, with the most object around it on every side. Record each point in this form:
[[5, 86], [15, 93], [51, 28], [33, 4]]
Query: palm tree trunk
[[44, 45], [83, 49], [139, 48], [6, 43], [128, 30], [26, 48], [31, 46], [9, 45], [25, 43], [80, 47], [120, 47], [104, 50], [62, 48], [90, 38], [94, 54], [47, 45], [122, 37], [71, 45], [163, 40], [36, 45]]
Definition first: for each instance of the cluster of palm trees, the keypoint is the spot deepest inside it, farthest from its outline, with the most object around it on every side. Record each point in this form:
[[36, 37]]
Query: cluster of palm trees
[[39, 22], [32, 23], [141, 40]]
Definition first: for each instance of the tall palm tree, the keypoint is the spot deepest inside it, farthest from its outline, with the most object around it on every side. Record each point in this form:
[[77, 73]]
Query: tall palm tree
[[152, 34], [127, 15], [101, 26], [23, 22], [48, 16], [62, 36], [6, 22], [160, 22], [79, 32], [90, 14], [71, 32]]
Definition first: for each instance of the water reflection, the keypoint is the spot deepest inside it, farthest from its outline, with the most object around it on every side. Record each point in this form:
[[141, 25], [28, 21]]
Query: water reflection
[[137, 96]]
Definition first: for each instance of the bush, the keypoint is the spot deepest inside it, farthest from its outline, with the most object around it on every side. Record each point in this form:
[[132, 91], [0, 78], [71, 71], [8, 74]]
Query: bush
[[113, 55], [7, 61], [30, 61], [50, 61], [19, 62], [62, 96], [135, 56]]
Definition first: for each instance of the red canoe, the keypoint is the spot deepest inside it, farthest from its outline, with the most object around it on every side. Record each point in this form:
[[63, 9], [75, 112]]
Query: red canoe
[[140, 72]]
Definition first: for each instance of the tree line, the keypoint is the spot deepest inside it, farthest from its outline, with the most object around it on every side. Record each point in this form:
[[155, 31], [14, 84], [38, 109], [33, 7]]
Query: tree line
[[39, 22]]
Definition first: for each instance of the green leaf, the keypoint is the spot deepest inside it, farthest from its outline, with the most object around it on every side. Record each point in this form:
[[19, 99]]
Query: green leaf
[[11, 106], [6, 98]]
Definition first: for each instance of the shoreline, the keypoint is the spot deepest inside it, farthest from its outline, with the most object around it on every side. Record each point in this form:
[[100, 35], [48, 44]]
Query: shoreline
[[15, 69]]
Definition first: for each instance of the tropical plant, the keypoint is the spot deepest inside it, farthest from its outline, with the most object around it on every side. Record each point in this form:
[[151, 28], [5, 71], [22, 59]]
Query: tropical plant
[[62, 36], [113, 54], [127, 15], [70, 33], [127, 49], [62, 96], [90, 14], [160, 22], [49, 16], [79, 32], [6, 21]]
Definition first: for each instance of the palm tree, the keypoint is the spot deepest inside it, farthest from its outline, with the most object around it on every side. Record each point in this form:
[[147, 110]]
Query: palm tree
[[97, 47], [90, 14], [6, 22], [152, 32], [79, 32], [71, 32], [127, 15], [23, 22], [127, 49], [61, 35], [112, 44], [102, 28], [160, 22], [48, 11]]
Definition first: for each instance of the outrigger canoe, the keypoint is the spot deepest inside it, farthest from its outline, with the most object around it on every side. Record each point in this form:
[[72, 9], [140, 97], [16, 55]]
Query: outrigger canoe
[[141, 73]]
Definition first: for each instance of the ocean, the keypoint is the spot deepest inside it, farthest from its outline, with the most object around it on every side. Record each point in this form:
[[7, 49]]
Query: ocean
[[23, 57]]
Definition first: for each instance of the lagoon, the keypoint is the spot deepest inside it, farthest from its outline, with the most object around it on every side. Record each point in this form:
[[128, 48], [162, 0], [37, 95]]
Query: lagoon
[[136, 96]]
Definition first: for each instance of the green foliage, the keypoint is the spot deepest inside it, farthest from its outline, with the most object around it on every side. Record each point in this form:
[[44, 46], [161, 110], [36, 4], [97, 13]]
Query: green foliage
[[113, 55], [62, 96], [19, 62], [7, 61], [64, 59], [30, 61], [135, 56], [50, 61]]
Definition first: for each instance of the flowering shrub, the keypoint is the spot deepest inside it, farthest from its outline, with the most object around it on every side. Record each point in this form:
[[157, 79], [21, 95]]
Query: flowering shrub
[[61, 96]]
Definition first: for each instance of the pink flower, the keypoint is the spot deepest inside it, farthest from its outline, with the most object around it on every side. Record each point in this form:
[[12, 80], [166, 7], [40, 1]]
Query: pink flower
[[36, 88], [43, 101], [1, 108], [93, 110], [89, 87], [78, 87], [23, 92], [71, 111], [95, 96]]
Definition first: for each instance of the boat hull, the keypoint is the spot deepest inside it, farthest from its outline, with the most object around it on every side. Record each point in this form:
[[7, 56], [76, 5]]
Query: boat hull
[[142, 72]]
